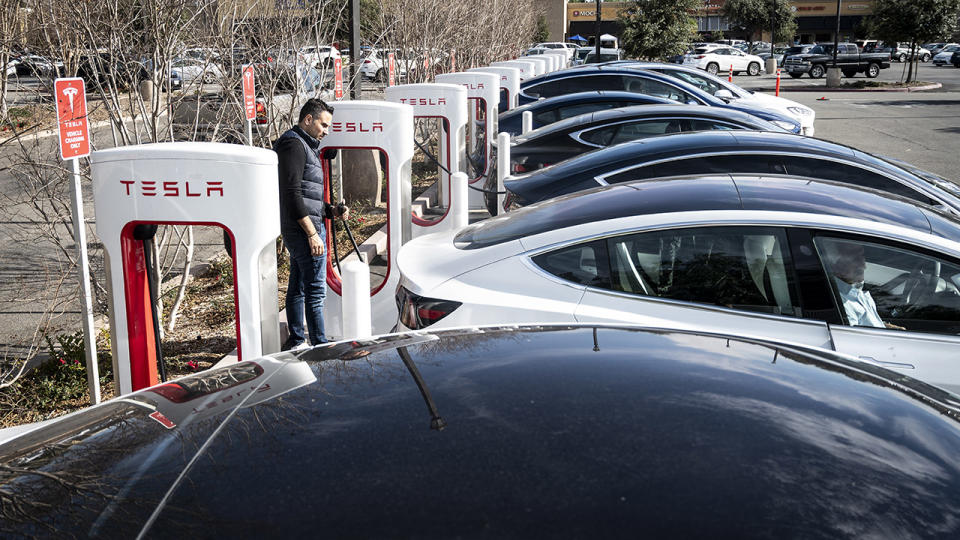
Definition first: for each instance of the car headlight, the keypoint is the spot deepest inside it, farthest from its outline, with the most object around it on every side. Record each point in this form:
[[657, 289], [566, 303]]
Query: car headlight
[[800, 111], [783, 124]]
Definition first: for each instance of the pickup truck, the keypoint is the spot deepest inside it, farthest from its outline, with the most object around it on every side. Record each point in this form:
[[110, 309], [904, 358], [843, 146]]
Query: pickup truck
[[218, 115], [849, 59]]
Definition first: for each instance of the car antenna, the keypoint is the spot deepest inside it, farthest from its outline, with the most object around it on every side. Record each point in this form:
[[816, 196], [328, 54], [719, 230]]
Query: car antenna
[[436, 421], [596, 346]]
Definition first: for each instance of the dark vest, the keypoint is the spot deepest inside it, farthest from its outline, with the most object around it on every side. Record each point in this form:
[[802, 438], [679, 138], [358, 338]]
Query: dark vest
[[311, 186]]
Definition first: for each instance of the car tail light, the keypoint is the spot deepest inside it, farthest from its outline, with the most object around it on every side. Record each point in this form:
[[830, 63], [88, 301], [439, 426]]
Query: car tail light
[[368, 61], [699, 56], [261, 112], [418, 312], [519, 168]]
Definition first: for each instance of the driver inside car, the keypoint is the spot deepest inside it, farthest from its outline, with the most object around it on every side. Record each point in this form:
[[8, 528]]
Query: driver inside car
[[848, 265]]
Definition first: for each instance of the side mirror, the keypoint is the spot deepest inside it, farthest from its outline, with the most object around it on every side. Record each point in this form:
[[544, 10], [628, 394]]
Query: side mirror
[[724, 94]]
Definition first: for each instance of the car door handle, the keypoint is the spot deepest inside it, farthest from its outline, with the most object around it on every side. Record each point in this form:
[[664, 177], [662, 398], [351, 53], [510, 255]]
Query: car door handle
[[884, 363]]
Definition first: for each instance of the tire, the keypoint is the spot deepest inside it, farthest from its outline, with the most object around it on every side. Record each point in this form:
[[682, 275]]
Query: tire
[[817, 71], [713, 68], [872, 71], [796, 75], [925, 58], [753, 69], [380, 76], [902, 57], [849, 73]]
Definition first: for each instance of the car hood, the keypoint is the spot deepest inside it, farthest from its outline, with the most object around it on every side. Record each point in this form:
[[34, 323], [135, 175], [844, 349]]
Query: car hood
[[431, 260]]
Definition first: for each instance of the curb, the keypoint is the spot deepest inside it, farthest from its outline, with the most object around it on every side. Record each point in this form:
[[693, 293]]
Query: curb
[[783, 89]]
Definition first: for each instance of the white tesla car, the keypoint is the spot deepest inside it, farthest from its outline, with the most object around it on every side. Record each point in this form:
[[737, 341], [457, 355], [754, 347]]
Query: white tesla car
[[716, 59], [760, 255]]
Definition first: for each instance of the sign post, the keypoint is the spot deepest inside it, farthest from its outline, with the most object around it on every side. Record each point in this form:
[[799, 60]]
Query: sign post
[[249, 101], [337, 78], [453, 60], [70, 97], [391, 69]]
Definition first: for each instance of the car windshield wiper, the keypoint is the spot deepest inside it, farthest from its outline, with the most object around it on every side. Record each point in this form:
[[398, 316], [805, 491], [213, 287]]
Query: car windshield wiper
[[436, 422]]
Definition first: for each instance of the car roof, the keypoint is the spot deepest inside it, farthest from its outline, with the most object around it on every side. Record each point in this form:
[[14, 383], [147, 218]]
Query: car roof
[[586, 70], [738, 192], [584, 97], [508, 432], [640, 111]]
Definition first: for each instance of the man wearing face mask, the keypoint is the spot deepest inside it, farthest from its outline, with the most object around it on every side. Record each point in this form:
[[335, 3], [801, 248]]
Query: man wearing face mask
[[302, 211], [848, 268]]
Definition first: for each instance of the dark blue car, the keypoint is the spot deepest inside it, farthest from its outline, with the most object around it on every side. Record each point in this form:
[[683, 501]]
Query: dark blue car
[[620, 77], [742, 152], [548, 111]]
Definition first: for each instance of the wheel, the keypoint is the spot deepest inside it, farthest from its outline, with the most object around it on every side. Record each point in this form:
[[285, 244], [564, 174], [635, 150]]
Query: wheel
[[380, 76], [208, 78], [873, 70], [849, 73], [713, 68], [796, 75], [925, 58], [902, 57], [816, 71], [753, 69]]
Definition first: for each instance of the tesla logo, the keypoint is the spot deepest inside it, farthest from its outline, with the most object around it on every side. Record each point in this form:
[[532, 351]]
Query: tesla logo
[[71, 91], [172, 189], [424, 101], [356, 127]]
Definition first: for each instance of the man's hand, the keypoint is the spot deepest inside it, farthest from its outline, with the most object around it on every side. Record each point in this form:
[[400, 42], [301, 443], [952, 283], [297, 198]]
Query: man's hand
[[316, 245], [892, 326]]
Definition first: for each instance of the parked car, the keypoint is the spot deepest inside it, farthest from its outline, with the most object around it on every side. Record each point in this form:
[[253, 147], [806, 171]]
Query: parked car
[[33, 65], [375, 64], [936, 48], [606, 55], [567, 48], [627, 77], [580, 55], [319, 56], [722, 152], [730, 92], [849, 59], [548, 111], [10, 69], [714, 252], [532, 431], [943, 57], [955, 59], [191, 70], [568, 138], [717, 59], [901, 52], [795, 49]]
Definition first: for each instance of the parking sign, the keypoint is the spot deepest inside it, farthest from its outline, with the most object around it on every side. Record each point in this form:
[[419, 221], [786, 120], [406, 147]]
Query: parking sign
[[391, 69], [72, 118], [249, 96], [337, 78]]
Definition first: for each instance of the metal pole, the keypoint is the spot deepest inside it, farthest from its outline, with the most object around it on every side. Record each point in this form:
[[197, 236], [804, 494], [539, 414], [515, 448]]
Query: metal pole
[[89, 340], [355, 90], [597, 32], [250, 132], [836, 36]]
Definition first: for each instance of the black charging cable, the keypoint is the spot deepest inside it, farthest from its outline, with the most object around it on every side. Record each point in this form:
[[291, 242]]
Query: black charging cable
[[446, 170]]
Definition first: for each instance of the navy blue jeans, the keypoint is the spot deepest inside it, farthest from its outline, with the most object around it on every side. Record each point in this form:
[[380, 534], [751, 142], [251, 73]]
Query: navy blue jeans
[[306, 289]]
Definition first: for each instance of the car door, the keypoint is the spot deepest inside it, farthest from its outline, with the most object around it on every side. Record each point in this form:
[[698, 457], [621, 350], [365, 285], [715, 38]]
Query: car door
[[740, 60], [719, 278], [916, 296]]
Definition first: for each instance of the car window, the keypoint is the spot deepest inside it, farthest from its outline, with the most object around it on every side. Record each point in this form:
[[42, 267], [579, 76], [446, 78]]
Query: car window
[[545, 117], [882, 285], [831, 170], [659, 89], [702, 83], [745, 268], [629, 131], [757, 164], [586, 264], [569, 111], [570, 85], [711, 125]]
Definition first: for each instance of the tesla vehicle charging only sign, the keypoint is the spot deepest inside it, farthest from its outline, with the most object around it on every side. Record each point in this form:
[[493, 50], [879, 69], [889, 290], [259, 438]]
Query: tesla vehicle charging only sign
[[249, 97], [337, 78], [72, 118]]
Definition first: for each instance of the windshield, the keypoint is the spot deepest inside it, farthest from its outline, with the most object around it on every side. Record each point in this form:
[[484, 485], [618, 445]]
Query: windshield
[[822, 49], [796, 50]]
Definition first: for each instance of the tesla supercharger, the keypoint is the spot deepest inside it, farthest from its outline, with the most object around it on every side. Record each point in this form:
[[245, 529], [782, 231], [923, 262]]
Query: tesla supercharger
[[448, 104], [539, 65], [225, 185], [483, 94], [561, 57], [546, 64], [525, 67], [509, 85], [386, 128]]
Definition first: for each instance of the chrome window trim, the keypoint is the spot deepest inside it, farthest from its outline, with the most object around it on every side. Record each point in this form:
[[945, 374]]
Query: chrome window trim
[[601, 179]]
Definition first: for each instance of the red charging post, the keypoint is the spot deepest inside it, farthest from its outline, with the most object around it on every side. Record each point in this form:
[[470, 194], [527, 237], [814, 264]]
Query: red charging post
[[337, 78], [777, 93], [391, 69], [249, 100], [71, 99]]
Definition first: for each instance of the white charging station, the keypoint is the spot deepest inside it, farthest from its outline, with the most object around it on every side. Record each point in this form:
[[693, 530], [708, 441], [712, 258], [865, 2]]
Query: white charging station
[[388, 128], [562, 59], [225, 185], [448, 103], [483, 93], [509, 84], [526, 68], [545, 64]]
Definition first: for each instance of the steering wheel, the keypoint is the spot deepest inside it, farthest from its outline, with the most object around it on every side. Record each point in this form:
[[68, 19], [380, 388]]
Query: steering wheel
[[919, 284]]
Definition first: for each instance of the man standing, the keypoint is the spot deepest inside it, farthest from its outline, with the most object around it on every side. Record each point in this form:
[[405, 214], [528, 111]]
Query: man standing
[[302, 211]]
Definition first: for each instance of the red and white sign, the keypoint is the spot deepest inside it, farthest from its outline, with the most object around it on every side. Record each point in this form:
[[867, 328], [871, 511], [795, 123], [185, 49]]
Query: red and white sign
[[338, 78], [249, 95], [71, 99], [391, 69], [453, 61]]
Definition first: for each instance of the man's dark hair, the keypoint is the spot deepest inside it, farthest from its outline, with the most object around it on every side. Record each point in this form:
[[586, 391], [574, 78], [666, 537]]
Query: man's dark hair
[[314, 107]]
